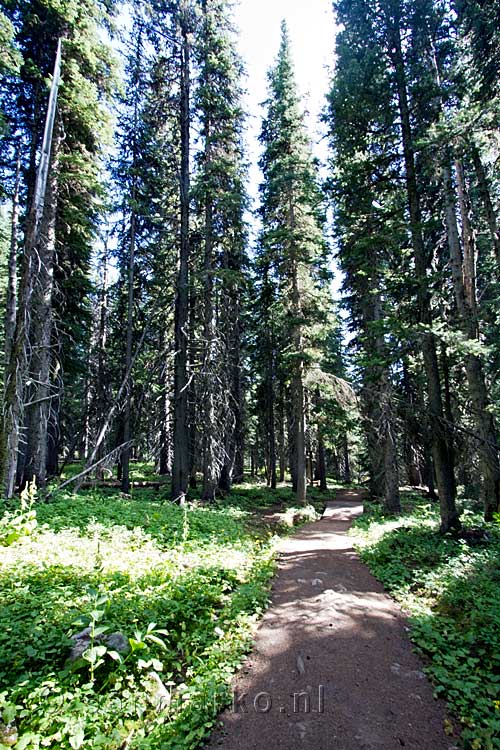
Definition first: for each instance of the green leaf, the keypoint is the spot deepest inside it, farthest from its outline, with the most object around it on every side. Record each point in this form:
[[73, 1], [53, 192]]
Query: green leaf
[[136, 645], [76, 739], [28, 738], [154, 639], [93, 654], [100, 630]]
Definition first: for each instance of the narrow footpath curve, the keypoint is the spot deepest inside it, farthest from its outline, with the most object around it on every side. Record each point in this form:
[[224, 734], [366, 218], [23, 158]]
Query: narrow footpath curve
[[332, 665]]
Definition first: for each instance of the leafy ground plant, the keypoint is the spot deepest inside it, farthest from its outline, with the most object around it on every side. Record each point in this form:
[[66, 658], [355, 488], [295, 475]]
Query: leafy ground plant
[[451, 589], [21, 520], [178, 589]]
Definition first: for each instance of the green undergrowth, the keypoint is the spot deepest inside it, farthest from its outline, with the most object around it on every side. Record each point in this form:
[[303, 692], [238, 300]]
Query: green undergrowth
[[451, 589], [182, 586]]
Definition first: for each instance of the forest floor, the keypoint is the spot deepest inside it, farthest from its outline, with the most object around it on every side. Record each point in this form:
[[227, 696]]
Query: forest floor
[[179, 589], [185, 589], [332, 665]]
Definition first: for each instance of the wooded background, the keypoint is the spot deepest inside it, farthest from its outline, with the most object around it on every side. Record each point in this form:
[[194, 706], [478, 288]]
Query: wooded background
[[140, 321]]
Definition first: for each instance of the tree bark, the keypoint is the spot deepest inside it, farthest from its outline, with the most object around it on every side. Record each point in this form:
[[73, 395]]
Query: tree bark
[[101, 400], [391, 472], [53, 438], [347, 463], [370, 410], [39, 393], [209, 437], [271, 427], [413, 449], [321, 463], [300, 434], [485, 194], [16, 369], [165, 458], [11, 306], [441, 438], [180, 466], [239, 422], [292, 449], [125, 457], [281, 435], [385, 426], [463, 275], [297, 389], [297, 379]]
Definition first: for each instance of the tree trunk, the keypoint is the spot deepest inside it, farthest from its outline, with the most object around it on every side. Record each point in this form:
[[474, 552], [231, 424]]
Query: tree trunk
[[391, 473], [39, 396], [271, 428], [463, 273], [194, 396], [16, 369], [347, 463], [11, 306], [102, 386], [335, 465], [239, 422], [300, 434], [441, 438], [180, 467], [281, 436], [292, 449], [125, 458], [53, 438], [234, 459], [428, 474], [310, 467], [370, 409], [379, 416], [297, 379], [469, 247], [165, 458], [413, 449], [484, 192], [385, 427], [298, 404], [321, 465], [209, 435]]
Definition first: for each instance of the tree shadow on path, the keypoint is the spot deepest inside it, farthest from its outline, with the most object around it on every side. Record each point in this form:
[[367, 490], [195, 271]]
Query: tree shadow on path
[[332, 665]]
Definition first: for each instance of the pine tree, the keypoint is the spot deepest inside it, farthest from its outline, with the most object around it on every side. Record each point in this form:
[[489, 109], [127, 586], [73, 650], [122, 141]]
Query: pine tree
[[220, 196], [73, 171], [10, 61], [364, 141], [180, 466], [291, 237]]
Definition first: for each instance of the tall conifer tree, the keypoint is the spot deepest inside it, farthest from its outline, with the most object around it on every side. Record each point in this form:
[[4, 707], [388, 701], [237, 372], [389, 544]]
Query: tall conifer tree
[[291, 239]]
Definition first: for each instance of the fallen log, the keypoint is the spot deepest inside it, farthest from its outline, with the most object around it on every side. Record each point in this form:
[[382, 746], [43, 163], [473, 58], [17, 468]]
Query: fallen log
[[113, 484]]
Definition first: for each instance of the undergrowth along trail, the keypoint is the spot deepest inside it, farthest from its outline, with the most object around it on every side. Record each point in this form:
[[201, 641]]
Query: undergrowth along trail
[[182, 586], [451, 589]]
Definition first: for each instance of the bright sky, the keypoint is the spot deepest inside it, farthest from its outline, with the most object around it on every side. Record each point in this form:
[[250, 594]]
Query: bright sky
[[312, 33]]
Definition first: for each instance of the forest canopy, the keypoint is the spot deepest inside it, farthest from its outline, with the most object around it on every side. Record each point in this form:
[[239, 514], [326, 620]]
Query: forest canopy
[[188, 373], [143, 324]]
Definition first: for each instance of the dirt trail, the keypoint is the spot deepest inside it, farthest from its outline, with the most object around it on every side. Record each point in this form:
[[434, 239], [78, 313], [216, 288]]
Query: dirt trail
[[332, 665]]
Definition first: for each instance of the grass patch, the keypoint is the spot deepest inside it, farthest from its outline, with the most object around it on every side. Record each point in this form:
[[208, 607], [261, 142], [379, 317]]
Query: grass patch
[[182, 586], [451, 589]]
